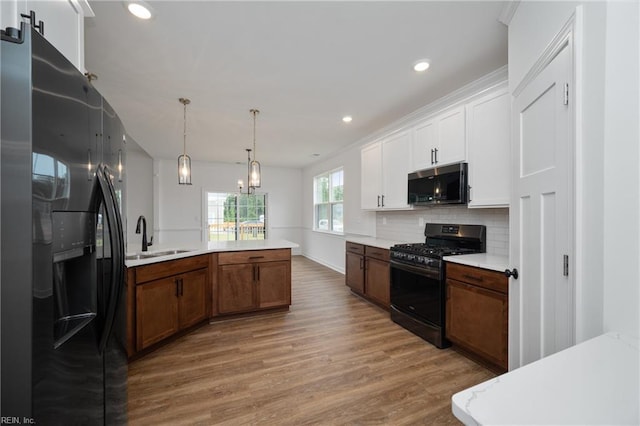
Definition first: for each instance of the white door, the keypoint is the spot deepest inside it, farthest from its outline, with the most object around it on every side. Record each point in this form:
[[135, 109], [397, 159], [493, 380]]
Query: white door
[[541, 303]]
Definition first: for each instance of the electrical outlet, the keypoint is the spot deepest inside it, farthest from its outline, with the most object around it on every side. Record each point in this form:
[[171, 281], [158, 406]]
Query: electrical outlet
[[384, 220], [420, 221]]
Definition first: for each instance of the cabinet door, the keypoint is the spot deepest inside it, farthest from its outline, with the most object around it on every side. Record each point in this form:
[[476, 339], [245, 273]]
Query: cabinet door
[[193, 299], [489, 150], [451, 137], [65, 29], [156, 311], [371, 176], [477, 320], [425, 140], [396, 162], [274, 284], [377, 284], [354, 276], [236, 288]]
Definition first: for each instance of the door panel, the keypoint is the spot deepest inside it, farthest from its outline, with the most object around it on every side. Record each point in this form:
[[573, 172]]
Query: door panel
[[236, 288], [193, 300], [274, 284], [355, 272], [157, 311], [541, 299]]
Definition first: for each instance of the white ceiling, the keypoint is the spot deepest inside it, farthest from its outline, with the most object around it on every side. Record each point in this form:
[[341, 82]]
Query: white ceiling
[[302, 64]]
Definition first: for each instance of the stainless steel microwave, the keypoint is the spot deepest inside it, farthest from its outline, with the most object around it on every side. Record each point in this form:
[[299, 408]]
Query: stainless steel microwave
[[439, 185]]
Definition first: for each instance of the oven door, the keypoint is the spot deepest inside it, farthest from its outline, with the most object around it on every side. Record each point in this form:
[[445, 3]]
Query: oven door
[[418, 292]]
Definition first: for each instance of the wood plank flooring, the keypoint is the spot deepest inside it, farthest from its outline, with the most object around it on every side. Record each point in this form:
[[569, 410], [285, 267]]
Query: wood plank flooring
[[332, 359]]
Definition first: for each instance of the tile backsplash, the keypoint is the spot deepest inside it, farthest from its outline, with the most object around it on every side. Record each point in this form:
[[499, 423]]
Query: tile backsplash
[[409, 225]]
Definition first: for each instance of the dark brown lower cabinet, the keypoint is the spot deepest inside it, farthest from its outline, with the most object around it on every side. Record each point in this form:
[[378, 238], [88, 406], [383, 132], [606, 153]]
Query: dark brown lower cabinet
[[367, 272], [477, 314], [169, 297], [253, 280]]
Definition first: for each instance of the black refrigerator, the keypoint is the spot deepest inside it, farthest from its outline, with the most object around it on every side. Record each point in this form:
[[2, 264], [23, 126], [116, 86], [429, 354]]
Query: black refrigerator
[[62, 164]]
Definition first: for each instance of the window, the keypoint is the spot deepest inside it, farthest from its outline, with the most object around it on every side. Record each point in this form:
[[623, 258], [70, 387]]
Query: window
[[328, 200], [235, 216]]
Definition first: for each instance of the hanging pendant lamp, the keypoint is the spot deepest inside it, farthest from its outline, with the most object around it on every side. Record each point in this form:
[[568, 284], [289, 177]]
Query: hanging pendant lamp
[[184, 161], [254, 166]]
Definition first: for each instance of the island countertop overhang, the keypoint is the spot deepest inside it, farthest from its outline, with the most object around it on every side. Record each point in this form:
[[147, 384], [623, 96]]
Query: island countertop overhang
[[184, 250]]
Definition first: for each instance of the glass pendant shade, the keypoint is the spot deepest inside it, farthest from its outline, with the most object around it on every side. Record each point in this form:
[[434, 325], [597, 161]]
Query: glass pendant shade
[[254, 174], [184, 161], [184, 170]]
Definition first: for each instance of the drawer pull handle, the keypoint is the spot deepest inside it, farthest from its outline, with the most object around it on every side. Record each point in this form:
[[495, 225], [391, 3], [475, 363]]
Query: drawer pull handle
[[471, 277], [256, 257]]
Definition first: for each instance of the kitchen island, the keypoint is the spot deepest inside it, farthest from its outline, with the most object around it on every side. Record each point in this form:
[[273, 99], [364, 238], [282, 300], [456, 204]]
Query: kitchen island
[[172, 290]]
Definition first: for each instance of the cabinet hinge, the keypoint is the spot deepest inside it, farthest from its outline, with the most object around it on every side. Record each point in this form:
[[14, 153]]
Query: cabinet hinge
[[566, 93], [565, 265]]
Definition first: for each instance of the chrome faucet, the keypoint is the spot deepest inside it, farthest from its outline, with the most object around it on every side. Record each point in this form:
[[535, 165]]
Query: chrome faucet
[[145, 244]]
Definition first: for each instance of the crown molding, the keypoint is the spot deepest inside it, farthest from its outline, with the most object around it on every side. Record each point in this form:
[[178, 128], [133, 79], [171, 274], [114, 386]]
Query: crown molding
[[464, 94], [83, 8], [508, 10]]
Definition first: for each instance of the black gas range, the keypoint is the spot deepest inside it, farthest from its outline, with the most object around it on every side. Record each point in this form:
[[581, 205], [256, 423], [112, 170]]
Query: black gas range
[[418, 293]]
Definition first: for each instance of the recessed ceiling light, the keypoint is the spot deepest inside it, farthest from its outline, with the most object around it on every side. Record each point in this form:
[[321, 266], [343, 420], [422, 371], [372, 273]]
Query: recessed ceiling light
[[139, 10], [421, 65], [347, 119]]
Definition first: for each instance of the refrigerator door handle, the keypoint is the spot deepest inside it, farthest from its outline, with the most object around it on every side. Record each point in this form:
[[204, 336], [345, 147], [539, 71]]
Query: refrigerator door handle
[[117, 253]]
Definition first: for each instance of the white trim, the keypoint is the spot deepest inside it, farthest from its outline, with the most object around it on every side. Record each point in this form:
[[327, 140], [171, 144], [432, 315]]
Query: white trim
[[575, 96], [323, 263], [508, 10], [83, 8], [557, 44]]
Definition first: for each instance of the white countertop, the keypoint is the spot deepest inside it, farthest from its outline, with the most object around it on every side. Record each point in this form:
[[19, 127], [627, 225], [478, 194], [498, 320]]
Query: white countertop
[[595, 382], [196, 249], [481, 260], [373, 242]]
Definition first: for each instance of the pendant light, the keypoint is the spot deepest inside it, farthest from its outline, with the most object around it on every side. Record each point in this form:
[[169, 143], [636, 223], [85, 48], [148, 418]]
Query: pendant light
[[184, 161], [254, 166]]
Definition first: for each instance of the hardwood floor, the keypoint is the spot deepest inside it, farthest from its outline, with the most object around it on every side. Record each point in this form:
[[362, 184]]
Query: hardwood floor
[[332, 359]]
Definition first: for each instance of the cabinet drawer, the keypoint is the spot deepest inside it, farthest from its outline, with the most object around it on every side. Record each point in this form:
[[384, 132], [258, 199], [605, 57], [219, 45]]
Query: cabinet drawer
[[355, 248], [491, 280], [253, 256], [171, 267], [377, 253]]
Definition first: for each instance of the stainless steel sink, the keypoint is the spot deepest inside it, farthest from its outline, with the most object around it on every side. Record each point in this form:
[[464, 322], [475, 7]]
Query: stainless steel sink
[[139, 256]]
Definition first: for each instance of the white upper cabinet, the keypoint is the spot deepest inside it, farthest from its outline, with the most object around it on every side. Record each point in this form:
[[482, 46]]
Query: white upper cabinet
[[451, 137], [440, 140], [385, 166], [63, 23], [476, 131], [488, 129], [425, 138], [396, 152], [371, 176]]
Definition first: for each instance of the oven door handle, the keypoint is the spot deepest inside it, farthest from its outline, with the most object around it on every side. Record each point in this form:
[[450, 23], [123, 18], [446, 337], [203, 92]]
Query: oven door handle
[[429, 272]]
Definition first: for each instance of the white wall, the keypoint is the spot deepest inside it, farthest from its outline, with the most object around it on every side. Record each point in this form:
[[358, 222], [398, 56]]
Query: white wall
[[179, 208], [139, 193], [606, 154], [323, 247]]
